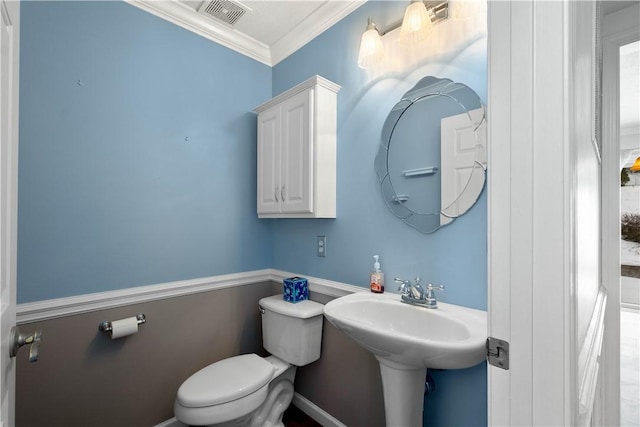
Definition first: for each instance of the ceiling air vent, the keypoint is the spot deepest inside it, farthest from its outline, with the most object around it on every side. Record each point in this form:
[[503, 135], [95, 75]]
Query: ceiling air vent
[[226, 11]]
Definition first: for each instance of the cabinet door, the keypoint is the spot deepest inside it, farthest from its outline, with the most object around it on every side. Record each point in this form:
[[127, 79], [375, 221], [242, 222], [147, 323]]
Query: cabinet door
[[296, 180], [269, 161]]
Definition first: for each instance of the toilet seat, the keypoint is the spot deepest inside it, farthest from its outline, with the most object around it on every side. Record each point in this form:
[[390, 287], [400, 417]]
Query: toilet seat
[[248, 390], [224, 391], [225, 381]]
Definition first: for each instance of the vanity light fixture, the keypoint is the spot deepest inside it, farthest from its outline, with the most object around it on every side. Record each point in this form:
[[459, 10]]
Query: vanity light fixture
[[419, 18], [636, 165], [416, 24], [371, 49]]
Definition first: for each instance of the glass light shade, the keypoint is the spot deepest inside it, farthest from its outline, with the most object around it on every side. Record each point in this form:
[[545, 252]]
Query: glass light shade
[[371, 49], [416, 25]]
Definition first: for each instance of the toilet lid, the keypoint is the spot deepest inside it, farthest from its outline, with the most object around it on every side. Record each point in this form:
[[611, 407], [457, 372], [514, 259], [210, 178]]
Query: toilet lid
[[224, 381]]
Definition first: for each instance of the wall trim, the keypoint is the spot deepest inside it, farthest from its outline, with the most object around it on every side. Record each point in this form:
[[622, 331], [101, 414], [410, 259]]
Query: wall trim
[[301, 402], [69, 306], [171, 422], [315, 412], [186, 17], [321, 286], [328, 15]]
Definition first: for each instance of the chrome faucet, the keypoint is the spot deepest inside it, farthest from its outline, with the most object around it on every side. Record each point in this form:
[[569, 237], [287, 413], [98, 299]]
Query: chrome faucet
[[416, 294]]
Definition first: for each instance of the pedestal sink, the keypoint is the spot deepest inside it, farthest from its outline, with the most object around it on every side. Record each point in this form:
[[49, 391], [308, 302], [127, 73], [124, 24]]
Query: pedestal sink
[[406, 340]]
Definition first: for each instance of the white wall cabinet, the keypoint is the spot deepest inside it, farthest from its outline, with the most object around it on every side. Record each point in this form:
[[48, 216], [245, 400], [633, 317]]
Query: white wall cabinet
[[297, 152]]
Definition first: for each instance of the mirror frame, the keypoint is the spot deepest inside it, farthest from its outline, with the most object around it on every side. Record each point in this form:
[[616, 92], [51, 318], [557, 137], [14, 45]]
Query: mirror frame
[[428, 87]]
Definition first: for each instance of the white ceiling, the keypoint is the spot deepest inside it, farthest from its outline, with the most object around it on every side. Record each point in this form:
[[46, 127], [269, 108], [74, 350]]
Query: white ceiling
[[268, 32]]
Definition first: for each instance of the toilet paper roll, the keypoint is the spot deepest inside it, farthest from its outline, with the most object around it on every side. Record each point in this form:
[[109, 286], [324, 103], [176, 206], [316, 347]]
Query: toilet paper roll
[[124, 327]]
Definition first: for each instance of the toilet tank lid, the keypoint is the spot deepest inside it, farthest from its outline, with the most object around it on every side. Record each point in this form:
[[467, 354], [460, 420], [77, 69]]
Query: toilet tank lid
[[225, 380], [301, 309]]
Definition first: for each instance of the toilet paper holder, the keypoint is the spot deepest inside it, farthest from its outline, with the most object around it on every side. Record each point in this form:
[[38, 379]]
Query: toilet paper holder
[[106, 327]]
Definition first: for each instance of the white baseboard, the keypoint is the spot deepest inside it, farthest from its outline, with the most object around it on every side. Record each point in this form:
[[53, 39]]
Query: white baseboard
[[301, 402], [315, 412], [172, 422], [61, 307]]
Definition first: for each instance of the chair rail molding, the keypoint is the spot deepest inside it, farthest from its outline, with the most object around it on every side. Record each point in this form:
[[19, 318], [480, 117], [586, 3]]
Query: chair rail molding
[[69, 306]]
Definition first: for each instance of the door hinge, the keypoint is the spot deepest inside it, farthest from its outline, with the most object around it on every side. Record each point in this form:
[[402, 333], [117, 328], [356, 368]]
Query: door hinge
[[498, 353]]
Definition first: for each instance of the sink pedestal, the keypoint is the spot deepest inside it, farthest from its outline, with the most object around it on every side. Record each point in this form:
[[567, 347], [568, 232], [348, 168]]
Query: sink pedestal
[[403, 388], [407, 340]]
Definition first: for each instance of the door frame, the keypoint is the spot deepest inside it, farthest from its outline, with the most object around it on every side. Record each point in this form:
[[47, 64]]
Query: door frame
[[10, 11], [618, 28]]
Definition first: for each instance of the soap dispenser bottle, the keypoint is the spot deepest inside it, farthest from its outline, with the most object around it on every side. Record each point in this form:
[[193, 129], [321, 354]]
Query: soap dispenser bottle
[[376, 284]]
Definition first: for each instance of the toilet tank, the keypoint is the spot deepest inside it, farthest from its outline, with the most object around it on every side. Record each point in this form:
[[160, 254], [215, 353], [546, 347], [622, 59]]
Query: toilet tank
[[292, 331]]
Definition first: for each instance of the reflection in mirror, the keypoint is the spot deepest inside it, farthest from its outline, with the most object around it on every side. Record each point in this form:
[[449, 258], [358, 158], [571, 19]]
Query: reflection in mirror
[[432, 157]]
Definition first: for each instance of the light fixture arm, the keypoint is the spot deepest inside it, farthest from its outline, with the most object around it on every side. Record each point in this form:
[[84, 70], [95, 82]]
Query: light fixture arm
[[372, 26], [438, 11], [371, 50]]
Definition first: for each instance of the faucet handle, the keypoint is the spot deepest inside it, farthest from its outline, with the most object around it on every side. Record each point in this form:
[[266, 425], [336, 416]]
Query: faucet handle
[[431, 287], [430, 297], [405, 285]]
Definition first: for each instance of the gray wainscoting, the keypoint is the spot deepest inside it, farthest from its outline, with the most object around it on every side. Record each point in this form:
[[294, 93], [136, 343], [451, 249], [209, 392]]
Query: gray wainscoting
[[83, 378], [346, 381]]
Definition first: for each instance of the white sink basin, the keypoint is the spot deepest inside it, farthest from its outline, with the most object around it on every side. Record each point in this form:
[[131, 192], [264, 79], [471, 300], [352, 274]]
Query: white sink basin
[[407, 340], [449, 337]]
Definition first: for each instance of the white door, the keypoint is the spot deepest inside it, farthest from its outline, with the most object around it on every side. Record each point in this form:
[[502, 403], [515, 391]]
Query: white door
[[9, 40], [542, 287], [297, 174], [462, 144], [269, 161]]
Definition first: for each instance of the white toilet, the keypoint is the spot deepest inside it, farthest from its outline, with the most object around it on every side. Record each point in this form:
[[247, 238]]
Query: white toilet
[[249, 390]]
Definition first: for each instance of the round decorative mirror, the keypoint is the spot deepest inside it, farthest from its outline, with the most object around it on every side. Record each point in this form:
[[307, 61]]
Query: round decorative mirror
[[432, 157]]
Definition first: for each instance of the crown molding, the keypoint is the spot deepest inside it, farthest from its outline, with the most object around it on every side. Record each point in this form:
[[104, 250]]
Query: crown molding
[[325, 17], [184, 16], [187, 18]]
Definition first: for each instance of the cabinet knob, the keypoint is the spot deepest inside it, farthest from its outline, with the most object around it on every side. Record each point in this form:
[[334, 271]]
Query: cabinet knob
[[282, 193], [275, 194]]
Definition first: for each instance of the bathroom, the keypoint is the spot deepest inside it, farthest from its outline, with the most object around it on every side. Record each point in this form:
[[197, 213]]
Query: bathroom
[[137, 183]]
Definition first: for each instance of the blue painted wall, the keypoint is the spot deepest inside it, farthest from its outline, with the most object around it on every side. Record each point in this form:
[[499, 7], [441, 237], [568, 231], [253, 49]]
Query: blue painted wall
[[137, 166], [454, 256], [137, 152]]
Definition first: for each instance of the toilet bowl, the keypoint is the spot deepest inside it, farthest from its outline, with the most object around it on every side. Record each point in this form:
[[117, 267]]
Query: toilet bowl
[[248, 390]]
